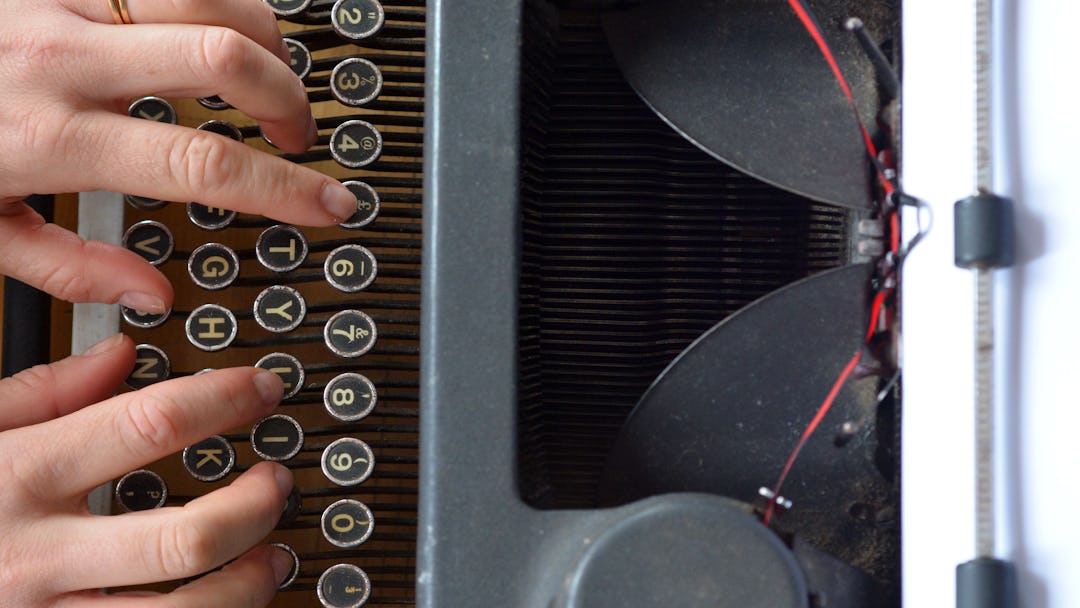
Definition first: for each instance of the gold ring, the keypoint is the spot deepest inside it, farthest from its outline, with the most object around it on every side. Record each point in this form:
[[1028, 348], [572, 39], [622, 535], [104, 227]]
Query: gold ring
[[120, 13]]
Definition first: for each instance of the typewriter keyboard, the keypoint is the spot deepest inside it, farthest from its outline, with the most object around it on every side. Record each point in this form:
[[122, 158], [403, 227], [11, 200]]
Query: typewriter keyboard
[[334, 311]]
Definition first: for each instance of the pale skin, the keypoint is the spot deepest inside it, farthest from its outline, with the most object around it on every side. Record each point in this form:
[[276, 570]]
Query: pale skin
[[67, 75]]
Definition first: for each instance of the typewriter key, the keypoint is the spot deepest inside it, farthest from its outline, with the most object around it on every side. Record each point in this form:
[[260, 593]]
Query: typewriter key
[[356, 81], [153, 108], [152, 365], [350, 333], [288, 368], [214, 103], [286, 8], [141, 490], [143, 203], [211, 327], [278, 437], [210, 459], [295, 569], [213, 266], [348, 461], [281, 248], [350, 397], [151, 240], [223, 128], [357, 19], [350, 268], [210, 218], [145, 320], [280, 309], [343, 586], [355, 144], [299, 58], [367, 205], [347, 523]]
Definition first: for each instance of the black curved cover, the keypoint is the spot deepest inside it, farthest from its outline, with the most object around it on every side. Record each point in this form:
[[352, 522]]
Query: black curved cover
[[723, 417], [744, 81]]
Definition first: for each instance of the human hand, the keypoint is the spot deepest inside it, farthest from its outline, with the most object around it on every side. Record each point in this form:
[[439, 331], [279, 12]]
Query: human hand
[[56, 444], [68, 75]]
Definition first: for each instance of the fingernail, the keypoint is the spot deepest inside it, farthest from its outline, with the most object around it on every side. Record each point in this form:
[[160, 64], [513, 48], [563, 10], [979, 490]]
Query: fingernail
[[105, 345], [338, 201], [269, 386], [143, 302], [284, 478], [282, 563]]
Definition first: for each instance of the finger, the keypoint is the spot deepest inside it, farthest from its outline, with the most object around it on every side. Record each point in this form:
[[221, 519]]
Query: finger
[[195, 61], [59, 262], [178, 542], [114, 437], [110, 152], [252, 18], [249, 582], [45, 392]]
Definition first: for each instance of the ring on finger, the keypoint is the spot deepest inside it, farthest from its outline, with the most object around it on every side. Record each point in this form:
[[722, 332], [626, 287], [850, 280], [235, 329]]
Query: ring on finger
[[120, 12]]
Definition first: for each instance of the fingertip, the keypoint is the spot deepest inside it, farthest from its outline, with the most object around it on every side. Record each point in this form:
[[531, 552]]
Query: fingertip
[[283, 564], [270, 387]]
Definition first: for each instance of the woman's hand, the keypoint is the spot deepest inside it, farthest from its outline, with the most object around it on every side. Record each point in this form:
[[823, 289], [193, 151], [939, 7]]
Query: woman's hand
[[68, 74], [57, 443]]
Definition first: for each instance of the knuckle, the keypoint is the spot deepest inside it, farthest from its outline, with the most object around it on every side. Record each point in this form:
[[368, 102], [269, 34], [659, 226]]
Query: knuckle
[[225, 53], [151, 425], [185, 549], [203, 161]]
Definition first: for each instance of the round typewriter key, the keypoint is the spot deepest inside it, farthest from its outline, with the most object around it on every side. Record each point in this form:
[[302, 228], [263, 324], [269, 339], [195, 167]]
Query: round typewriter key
[[350, 268], [210, 218], [347, 523], [213, 266], [153, 108], [277, 437], [357, 19], [280, 309], [356, 81], [151, 240], [214, 103], [145, 320], [350, 333], [288, 368], [295, 569], [348, 461], [281, 248], [211, 459], [356, 144], [299, 58], [286, 8], [152, 365], [367, 205], [223, 128], [143, 203], [343, 586], [350, 397], [211, 327], [141, 490]]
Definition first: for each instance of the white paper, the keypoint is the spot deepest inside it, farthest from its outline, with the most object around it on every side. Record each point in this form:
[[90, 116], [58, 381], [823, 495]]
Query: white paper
[[1037, 336]]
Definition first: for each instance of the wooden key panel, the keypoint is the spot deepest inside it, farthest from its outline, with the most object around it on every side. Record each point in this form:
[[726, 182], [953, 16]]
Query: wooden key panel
[[333, 311]]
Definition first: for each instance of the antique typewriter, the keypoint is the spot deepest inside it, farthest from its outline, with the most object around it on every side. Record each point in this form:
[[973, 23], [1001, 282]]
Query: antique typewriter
[[607, 260]]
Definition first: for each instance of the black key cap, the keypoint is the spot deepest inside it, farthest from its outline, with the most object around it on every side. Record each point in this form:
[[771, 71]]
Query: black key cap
[[152, 365], [213, 266], [141, 490], [151, 240], [348, 461], [211, 327], [347, 523], [350, 397], [350, 333], [211, 459], [278, 437], [356, 144]]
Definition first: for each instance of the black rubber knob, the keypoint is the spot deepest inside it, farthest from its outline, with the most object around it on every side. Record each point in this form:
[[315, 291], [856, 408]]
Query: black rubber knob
[[986, 583], [983, 229]]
